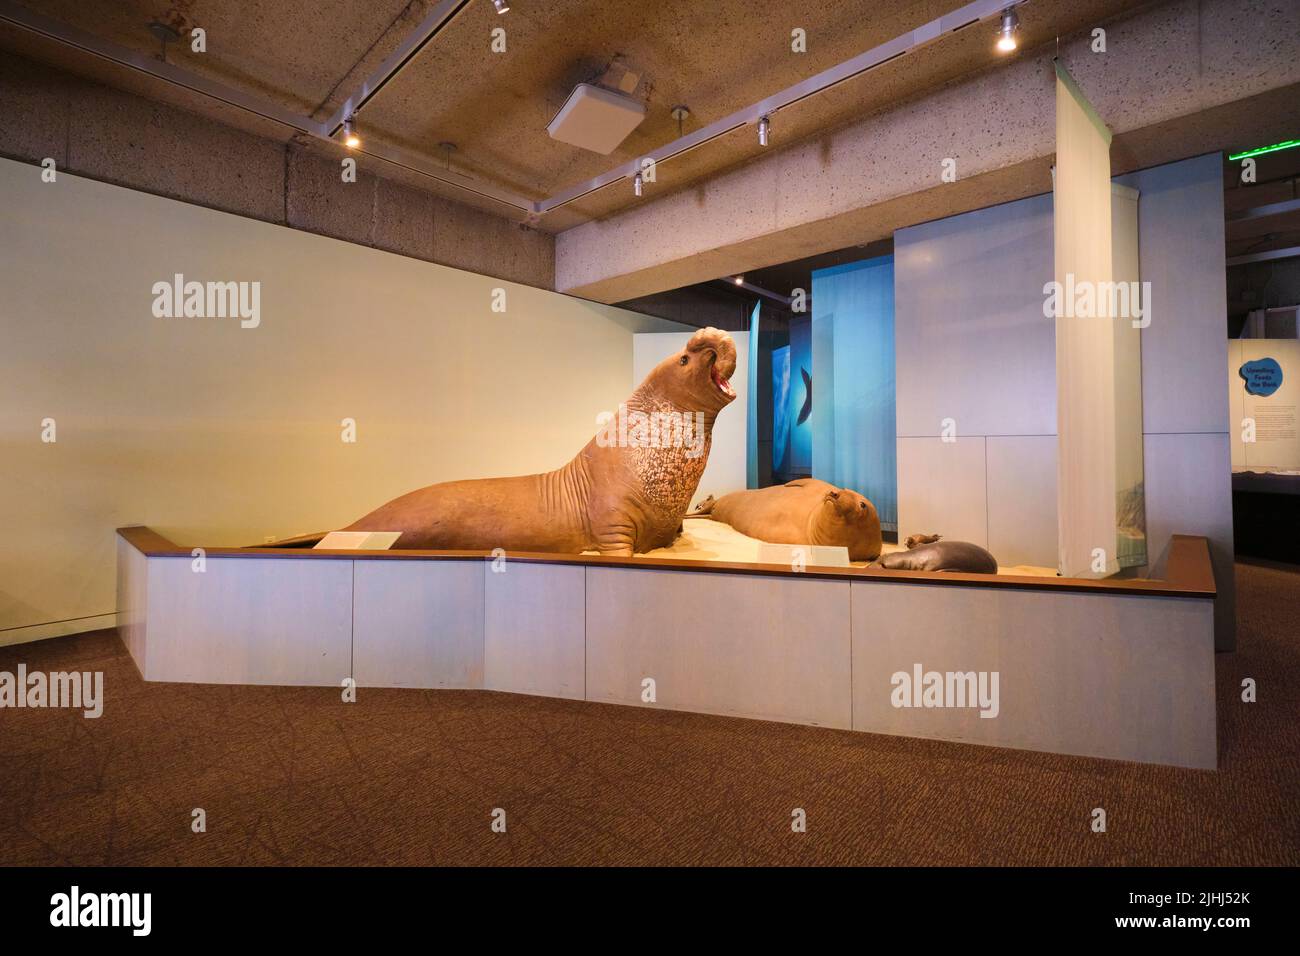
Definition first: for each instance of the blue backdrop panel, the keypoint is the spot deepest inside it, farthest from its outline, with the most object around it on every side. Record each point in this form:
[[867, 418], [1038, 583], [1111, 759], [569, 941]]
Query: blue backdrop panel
[[751, 400], [801, 397], [853, 426], [780, 408]]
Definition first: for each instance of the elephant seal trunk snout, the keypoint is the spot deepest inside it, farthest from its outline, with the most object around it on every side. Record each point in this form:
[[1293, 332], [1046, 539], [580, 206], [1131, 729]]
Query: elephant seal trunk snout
[[718, 351]]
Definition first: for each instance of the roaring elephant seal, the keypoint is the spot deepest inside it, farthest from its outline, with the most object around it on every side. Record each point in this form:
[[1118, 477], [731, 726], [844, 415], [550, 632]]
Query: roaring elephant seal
[[942, 556], [626, 491], [803, 511]]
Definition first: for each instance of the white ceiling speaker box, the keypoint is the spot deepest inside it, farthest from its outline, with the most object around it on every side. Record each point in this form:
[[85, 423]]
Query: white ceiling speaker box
[[596, 118]]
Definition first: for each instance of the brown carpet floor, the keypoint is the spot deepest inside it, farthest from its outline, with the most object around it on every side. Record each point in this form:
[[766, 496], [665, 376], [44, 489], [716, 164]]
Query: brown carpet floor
[[294, 776]]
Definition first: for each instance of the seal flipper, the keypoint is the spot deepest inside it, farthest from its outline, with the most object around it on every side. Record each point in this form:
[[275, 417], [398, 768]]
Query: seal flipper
[[300, 541], [704, 508]]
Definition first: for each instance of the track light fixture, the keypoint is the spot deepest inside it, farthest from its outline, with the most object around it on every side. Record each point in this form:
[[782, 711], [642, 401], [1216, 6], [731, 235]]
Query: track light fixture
[[637, 186], [1007, 30], [501, 6], [350, 137], [739, 280], [764, 127]]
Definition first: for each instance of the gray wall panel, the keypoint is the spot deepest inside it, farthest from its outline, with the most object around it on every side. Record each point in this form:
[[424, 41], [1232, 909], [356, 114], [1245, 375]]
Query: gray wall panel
[[1021, 479], [1189, 491], [971, 342], [941, 489], [1181, 250]]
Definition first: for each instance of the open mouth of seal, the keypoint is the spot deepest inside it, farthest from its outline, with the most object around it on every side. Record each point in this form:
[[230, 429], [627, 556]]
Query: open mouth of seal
[[721, 384]]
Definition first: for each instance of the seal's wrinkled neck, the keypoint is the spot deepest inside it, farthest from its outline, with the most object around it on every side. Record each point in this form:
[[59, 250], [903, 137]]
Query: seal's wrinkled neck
[[818, 524], [650, 398]]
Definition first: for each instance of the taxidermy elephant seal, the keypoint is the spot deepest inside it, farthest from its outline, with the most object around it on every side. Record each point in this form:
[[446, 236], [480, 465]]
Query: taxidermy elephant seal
[[626, 491], [942, 556], [803, 511]]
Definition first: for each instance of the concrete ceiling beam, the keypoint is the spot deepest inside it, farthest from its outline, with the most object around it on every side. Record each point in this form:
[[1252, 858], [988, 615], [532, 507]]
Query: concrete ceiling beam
[[1176, 80]]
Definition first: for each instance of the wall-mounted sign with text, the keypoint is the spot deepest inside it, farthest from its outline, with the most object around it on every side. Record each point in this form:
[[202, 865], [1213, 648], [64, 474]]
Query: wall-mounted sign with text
[[1262, 376]]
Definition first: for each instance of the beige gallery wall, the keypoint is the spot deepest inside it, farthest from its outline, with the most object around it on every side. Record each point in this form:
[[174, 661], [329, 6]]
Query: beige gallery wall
[[216, 434]]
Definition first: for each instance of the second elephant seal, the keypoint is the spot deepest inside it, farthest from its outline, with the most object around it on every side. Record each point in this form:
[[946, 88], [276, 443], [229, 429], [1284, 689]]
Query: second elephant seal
[[803, 511]]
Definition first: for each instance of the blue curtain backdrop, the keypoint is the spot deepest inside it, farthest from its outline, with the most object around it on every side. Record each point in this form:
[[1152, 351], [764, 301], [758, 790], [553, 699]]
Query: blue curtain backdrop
[[801, 397], [780, 410], [751, 399], [853, 425]]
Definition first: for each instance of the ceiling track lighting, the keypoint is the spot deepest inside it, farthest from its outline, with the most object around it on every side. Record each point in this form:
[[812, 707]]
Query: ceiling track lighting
[[350, 138], [1263, 150], [637, 185], [439, 14], [501, 6], [1007, 29], [764, 128], [987, 13]]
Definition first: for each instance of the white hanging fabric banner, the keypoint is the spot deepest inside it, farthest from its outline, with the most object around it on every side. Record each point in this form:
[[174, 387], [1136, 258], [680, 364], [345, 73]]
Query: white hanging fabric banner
[[1085, 340], [1131, 314]]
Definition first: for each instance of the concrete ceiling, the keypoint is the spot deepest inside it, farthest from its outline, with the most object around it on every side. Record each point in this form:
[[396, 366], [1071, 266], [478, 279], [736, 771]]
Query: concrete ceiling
[[715, 57]]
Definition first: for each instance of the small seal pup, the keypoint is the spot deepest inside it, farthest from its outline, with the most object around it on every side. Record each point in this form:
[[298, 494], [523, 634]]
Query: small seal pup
[[803, 511], [942, 556]]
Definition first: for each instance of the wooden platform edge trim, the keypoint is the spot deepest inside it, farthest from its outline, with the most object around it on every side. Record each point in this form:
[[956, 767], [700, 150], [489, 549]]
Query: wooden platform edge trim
[[1188, 570]]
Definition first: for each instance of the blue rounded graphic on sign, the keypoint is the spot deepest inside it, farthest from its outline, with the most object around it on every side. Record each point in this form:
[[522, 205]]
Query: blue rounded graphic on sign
[[1262, 376]]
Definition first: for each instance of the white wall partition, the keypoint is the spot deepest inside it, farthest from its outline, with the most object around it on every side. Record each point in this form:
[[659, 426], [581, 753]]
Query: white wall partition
[[214, 432], [1085, 342], [972, 346]]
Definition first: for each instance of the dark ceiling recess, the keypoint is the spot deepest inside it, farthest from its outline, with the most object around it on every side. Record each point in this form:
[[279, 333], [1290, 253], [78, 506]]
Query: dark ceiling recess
[[787, 276], [1262, 218], [723, 301]]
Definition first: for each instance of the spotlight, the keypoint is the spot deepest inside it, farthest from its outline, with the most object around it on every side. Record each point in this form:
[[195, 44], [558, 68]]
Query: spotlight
[[636, 184], [1007, 31], [739, 280], [501, 5], [350, 137], [764, 126]]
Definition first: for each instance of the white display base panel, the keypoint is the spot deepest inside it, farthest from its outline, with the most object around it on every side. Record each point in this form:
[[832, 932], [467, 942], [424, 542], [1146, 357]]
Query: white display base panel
[[1096, 674], [734, 644], [417, 624], [273, 621], [533, 629]]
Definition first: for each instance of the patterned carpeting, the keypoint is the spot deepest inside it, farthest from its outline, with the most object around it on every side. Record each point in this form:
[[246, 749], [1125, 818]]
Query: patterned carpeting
[[290, 775]]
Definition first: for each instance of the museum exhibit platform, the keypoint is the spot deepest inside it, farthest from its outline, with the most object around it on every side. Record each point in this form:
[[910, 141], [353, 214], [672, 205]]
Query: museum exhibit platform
[[1113, 668]]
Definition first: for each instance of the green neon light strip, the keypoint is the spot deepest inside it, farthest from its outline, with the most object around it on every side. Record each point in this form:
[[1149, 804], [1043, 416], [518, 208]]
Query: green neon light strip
[[1289, 144]]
